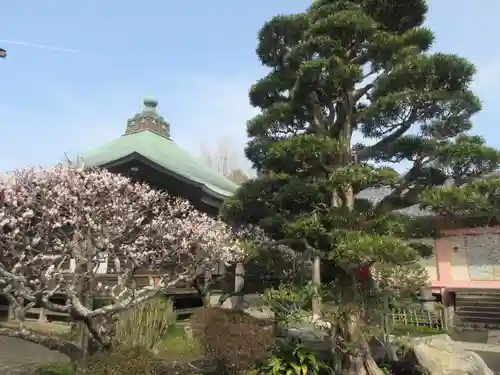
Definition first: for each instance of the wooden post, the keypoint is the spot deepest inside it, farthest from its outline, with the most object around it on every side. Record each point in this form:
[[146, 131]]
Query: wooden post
[[447, 314], [42, 317], [10, 312], [207, 276], [83, 334], [387, 322], [239, 284], [316, 280]]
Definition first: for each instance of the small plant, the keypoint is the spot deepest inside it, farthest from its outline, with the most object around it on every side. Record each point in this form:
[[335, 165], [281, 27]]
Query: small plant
[[292, 358], [144, 325], [288, 302]]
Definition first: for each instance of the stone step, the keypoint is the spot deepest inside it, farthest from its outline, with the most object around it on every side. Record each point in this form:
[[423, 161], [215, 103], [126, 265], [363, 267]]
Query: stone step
[[476, 324], [484, 292], [477, 310], [477, 307], [477, 300], [467, 325], [477, 315], [476, 292], [476, 295]]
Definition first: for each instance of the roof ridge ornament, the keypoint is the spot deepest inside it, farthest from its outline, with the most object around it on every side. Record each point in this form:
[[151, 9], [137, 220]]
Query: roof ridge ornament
[[150, 103], [148, 119]]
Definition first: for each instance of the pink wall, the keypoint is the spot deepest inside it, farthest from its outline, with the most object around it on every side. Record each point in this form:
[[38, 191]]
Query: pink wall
[[453, 275]]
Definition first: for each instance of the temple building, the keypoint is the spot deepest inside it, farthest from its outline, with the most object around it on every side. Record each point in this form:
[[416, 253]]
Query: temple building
[[146, 152]]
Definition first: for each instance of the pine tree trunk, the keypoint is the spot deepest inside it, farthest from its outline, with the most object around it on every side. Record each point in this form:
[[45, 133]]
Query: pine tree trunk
[[359, 361], [361, 365]]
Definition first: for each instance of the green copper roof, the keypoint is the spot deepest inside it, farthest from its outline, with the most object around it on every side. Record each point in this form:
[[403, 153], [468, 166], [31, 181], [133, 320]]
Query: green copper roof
[[163, 152], [148, 135]]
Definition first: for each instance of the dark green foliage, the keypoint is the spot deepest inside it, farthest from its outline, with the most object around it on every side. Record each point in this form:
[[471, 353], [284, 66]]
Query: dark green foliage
[[352, 84], [234, 338], [349, 68]]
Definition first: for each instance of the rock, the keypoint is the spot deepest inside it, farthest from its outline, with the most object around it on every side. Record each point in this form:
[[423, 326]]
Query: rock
[[440, 355], [259, 313], [305, 334], [380, 351]]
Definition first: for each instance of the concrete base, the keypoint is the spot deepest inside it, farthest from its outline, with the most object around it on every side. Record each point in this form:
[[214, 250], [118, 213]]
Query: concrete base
[[493, 337]]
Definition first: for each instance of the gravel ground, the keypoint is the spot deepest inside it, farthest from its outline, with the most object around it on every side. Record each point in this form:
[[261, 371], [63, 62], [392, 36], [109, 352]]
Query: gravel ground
[[18, 356]]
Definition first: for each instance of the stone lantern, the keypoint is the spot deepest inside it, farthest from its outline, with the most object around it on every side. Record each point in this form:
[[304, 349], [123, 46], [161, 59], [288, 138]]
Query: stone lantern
[[427, 300]]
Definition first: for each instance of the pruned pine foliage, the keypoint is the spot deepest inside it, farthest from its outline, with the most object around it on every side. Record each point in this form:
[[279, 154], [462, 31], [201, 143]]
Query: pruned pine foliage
[[352, 87]]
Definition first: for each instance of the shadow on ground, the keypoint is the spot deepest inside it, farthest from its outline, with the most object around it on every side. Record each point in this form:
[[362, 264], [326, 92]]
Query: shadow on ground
[[479, 336], [19, 356], [492, 360]]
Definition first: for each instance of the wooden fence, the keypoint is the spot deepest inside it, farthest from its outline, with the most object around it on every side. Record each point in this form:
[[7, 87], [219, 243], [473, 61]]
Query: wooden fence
[[39, 314], [416, 317]]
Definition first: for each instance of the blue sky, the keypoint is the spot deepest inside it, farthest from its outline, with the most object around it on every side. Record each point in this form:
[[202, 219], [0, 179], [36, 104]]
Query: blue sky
[[197, 58]]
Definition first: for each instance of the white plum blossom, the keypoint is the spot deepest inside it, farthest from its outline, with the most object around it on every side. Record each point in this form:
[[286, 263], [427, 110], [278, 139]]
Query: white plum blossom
[[51, 216]]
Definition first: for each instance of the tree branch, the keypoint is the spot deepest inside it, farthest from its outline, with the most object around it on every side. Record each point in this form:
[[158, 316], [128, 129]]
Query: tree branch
[[361, 59], [97, 334], [387, 203], [142, 295], [359, 93], [369, 152], [318, 118]]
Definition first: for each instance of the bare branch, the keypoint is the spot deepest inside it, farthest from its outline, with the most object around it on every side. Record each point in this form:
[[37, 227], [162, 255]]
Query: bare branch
[[225, 161]]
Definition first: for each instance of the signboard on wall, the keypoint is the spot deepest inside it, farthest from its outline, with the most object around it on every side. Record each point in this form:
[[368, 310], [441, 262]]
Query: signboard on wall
[[483, 256]]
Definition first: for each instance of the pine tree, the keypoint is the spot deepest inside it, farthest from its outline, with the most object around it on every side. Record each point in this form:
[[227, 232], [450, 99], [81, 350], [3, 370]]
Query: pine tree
[[347, 70]]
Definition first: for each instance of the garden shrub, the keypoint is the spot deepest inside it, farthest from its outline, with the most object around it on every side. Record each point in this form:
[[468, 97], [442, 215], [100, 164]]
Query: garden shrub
[[291, 357], [236, 339], [144, 325], [124, 362]]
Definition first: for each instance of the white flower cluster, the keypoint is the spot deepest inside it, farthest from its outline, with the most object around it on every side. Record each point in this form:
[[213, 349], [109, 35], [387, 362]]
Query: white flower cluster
[[48, 216]]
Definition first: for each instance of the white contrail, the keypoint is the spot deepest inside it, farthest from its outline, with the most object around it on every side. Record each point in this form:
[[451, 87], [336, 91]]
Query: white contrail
[[40, 46]]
